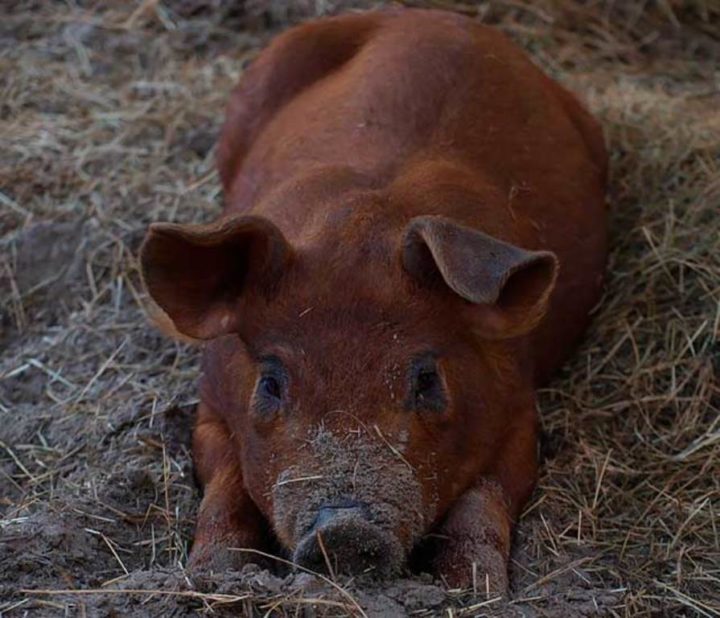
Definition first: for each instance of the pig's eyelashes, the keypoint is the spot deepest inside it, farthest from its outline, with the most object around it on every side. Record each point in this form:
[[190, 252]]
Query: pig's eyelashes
[[271, 386], [427, 389]]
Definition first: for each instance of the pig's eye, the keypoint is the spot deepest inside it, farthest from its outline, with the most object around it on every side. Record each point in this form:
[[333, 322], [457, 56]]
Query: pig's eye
[[427, 388], [271, 385]]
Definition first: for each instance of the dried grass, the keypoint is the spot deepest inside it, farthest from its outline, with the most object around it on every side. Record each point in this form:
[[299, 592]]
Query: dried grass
[[108, 114]]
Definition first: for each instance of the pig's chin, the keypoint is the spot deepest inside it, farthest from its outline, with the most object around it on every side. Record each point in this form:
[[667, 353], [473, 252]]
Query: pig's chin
[[349, 543]]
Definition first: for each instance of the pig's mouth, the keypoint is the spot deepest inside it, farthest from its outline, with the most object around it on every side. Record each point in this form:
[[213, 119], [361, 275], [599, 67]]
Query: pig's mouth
[[344, 539]]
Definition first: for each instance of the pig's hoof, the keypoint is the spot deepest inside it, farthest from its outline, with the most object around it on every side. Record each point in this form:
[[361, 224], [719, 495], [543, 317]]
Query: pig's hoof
[[484, 570]]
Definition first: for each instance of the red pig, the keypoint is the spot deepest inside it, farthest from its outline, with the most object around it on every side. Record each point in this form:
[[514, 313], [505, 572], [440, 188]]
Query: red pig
[[413, 237]]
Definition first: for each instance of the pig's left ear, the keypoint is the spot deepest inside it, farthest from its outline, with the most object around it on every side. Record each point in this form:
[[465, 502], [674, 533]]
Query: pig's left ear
[[196, 274], [510, 285]]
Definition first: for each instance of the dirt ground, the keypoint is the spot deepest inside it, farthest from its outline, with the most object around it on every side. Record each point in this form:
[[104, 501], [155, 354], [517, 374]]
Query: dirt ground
[[109, 112]]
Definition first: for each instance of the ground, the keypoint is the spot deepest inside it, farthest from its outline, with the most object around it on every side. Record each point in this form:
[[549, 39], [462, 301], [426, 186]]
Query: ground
[[109, 112]]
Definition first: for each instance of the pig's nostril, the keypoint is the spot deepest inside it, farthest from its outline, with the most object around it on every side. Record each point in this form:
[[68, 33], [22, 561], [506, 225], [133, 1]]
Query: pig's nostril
[[329, 513]]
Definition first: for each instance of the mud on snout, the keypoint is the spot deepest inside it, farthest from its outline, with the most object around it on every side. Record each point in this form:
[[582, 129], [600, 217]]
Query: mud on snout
[[352, 501]]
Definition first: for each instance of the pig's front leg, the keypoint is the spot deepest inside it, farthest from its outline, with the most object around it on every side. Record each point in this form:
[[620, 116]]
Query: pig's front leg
[[228, 518], [474, 547], [474, 541]]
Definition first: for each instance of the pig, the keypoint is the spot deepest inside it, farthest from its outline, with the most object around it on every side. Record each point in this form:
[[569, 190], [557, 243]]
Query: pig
[[413, 239]]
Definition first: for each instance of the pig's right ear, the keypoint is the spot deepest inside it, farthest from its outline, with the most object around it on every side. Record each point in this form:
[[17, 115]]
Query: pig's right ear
[[195, 274]]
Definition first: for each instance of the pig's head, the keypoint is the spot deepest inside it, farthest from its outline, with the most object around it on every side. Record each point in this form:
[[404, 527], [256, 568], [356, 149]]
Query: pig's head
[[368, 379]]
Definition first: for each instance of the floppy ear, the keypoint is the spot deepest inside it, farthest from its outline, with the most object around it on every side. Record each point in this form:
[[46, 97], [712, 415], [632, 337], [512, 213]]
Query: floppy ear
[[196, 274], [510, 285]]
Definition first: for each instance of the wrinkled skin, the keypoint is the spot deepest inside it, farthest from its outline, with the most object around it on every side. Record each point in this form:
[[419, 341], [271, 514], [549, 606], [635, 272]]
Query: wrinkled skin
[[382, 295]]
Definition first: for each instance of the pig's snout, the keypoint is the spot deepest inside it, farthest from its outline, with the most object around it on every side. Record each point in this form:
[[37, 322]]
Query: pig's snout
[[344, 536]]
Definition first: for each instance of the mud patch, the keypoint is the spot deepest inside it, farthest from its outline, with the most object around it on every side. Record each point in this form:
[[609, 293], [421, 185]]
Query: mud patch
[[41, 262], [250, 592]]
